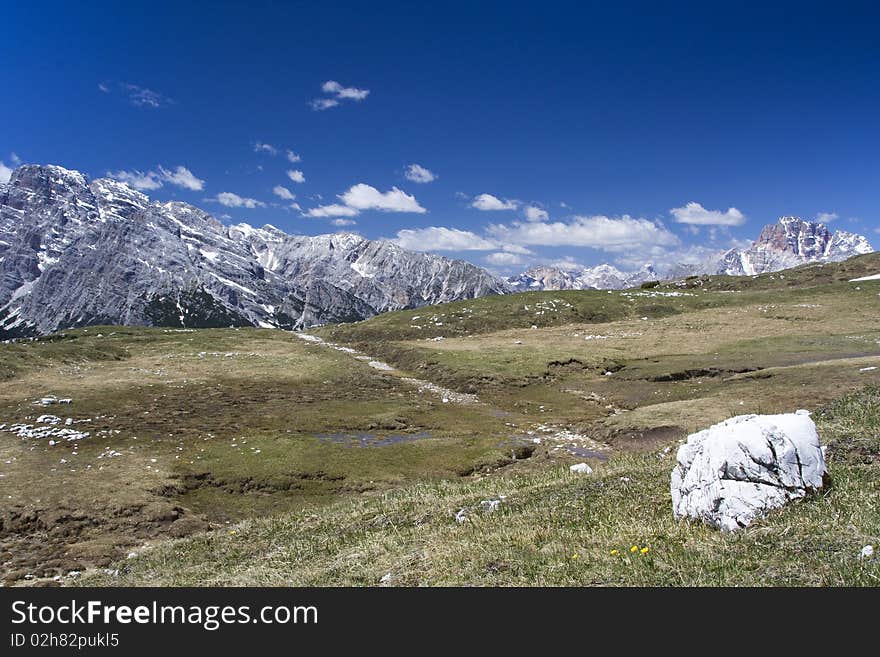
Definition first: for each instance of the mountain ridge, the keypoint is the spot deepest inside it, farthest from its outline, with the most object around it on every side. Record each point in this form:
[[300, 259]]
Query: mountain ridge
[[75, 252]]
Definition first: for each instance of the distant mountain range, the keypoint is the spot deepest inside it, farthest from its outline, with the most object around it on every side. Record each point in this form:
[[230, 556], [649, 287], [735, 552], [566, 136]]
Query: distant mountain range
[[788, 243], [75, 252]]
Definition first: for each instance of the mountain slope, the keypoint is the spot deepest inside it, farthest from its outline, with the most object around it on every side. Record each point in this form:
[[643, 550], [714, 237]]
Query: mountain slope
[[75, 252]]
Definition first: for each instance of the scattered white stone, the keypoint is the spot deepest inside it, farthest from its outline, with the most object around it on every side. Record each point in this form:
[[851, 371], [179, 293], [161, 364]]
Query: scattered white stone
[[736, 471], [387, 577], [867, 552], [867, 369], [461, 516], [379, 365], [490, 506], [581, 468]]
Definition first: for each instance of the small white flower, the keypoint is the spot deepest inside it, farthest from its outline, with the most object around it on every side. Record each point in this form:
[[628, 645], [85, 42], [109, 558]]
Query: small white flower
[[867, 552]]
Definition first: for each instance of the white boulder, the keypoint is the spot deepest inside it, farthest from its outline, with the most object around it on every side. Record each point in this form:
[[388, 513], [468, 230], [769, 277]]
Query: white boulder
[[736, 471], [580, 468]]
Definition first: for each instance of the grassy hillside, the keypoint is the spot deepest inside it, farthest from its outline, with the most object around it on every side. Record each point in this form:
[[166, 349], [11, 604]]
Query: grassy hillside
[[341, 469], [552, 528]]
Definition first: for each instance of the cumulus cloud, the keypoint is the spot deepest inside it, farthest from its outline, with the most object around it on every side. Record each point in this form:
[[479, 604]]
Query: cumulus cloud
[[145, 181], [283, 192], [262, 147], [296, 176], [599, 232], [367, 197], [349, 93], [439, 238], [140, 180], [182, 177], [343, 222], [231, 200], [419, 174], [534, 213], [336, 93], [695, 214], [292, 157], [827, 217], [320, 104], [333, 210], [487, 202], [362, 197], [503, 259], [5, 172]]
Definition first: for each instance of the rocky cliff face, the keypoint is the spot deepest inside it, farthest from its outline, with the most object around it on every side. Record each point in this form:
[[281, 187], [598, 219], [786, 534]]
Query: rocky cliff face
[[788, 243], [75, 252]]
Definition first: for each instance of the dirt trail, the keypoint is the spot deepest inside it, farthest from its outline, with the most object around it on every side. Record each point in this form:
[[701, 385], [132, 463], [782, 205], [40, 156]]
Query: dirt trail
[[562, 438], [447, 395]]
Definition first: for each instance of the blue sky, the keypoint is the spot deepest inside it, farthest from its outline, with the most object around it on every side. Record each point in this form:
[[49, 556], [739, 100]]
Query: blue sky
[[554, 131]]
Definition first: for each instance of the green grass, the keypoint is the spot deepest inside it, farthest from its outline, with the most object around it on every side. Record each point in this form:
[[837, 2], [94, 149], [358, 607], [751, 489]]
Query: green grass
[[224, 426], [553, 528]]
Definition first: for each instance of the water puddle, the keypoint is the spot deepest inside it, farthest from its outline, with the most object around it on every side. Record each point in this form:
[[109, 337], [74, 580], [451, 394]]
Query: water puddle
[[366, 439]]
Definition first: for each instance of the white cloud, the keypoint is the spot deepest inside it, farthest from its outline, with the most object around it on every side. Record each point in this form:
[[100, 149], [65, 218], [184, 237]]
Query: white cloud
[[296, 176], [419, 174], [349, 93], [366, 197], [292, 157], [337, 93], [144, 181], [695, 214], [138, 179], [102, 86], [343, 222], [599, 232], [262, 147], [487, 202], [182, 177], [231, 200], [5, 172], [567, 264], [283, 192], [143, 97], [504, 259], [320, 104], [534, 213], [333, 210], [16, 160], [438, 238], [827, 217]]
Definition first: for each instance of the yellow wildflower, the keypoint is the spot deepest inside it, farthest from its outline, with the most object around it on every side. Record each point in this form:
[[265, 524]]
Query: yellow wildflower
[[614, 553], [644, 550], [634, 549]]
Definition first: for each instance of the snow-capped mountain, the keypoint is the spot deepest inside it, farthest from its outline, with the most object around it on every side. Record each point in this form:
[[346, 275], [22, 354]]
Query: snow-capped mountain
[[788, 243], [600, 277], [75, 252]]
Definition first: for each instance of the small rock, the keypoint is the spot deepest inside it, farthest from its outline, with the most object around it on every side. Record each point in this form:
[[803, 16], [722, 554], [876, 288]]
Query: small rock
[[489, 506], [867, 552], [461, 516], [581, 468]]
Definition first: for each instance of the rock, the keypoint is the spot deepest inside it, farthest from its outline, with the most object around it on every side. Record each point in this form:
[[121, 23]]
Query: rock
[[736, 471], [581, 468], [867, 552], [490, 506], [75, 252]]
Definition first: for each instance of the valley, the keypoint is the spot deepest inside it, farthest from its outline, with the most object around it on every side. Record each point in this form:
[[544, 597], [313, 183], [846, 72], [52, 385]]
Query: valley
[[362, 453]]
